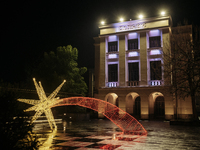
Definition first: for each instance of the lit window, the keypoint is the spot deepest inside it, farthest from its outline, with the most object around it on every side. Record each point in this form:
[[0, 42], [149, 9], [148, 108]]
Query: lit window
[[155, 52], [112, 38], [154, 33], [112, 56], [133, 54], [132, 35]]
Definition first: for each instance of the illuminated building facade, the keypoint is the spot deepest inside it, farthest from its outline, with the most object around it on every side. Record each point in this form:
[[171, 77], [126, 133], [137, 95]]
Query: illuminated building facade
[[129, 68]]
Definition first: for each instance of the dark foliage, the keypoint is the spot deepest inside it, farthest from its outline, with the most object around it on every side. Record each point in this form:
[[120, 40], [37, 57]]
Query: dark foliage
[[59, 66]]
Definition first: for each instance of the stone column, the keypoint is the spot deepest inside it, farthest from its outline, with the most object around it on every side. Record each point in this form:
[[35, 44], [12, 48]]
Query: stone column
[[122, 105], [144, 107], [143, 58], [97, 61], [102, 62], [122, 56], [169, 107]]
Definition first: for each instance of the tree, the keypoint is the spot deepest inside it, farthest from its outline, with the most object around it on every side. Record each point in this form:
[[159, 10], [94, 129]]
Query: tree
[[182, 62], [55, 67]]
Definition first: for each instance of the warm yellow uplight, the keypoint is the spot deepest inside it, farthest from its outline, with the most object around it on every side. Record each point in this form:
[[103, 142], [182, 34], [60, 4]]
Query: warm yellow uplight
[[162, 13], [102, 22], [121, 19], [141, 16]]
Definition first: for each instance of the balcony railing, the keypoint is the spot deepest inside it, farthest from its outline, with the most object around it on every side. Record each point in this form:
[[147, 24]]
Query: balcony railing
[[136, 83], [133, 83], [112, 84], [156, 82]]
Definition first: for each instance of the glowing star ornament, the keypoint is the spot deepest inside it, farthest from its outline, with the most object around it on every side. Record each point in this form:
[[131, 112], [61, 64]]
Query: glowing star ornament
[[44, 104]]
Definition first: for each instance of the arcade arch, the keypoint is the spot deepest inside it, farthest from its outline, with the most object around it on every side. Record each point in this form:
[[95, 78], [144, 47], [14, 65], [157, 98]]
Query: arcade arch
[[112, 98]]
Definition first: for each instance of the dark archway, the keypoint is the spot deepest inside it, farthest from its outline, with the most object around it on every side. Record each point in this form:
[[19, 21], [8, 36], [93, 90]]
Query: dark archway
[[137, 107], [159, 108], [122, 119], [117, 102]]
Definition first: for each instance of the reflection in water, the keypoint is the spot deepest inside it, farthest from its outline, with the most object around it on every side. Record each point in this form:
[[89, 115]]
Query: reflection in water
[[114, 137], [64, 125], [99, 134], [48, 143]]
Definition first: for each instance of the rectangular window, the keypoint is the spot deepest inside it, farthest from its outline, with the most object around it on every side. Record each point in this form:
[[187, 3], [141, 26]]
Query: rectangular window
[[132, 44], [154, 41], [155, 70], [113, 73], [112, 46], [133, 69]]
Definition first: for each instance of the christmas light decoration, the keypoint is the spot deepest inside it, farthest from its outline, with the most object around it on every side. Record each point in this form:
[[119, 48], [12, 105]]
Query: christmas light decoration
[[44, 104], [127, 123]]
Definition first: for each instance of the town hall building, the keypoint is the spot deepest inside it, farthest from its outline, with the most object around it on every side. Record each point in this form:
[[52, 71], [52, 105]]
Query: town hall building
[[129, 70]]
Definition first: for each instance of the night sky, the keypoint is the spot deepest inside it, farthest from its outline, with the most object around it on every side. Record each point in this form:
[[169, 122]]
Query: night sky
[[30, 28]]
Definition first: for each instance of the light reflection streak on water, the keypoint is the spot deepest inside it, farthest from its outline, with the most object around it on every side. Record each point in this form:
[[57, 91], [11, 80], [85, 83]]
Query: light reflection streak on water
[[64, 125], [48, 143], [56, 120], [161, 135]]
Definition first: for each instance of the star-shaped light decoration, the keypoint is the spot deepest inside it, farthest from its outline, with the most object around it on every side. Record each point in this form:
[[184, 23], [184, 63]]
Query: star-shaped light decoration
[[44, 104]]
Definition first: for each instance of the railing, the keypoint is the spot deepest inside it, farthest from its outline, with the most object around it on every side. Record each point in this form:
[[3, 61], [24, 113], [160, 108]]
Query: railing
[[156, 82], [133, 83], [136, 83], [111, 84]]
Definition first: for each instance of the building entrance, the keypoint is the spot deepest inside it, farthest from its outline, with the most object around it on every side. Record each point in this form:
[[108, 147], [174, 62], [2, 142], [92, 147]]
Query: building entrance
[[159, 108], [137, 107]]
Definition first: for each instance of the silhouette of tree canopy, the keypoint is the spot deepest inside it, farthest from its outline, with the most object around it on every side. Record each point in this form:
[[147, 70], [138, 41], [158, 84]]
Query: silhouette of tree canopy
[[55, 67]]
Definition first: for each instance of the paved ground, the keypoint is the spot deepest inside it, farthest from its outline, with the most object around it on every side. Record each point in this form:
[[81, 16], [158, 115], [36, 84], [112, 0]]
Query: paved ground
[[103, 134]]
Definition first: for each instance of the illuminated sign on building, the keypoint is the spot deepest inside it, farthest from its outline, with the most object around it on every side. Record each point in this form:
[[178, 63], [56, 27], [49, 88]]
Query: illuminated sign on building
[[149, 23], [132, 27]]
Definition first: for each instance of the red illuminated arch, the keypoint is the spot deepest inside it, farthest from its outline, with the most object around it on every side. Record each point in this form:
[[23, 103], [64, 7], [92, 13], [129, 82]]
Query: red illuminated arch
[[127, 123]]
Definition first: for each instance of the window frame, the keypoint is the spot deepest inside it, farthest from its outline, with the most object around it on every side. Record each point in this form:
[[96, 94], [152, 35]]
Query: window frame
[[112, 71], [135, 46], [154, 73], [113, 46], [154, 41], [133, 75]]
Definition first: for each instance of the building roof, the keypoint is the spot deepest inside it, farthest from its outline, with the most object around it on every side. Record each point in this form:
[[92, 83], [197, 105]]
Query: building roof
[[136, 25]]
